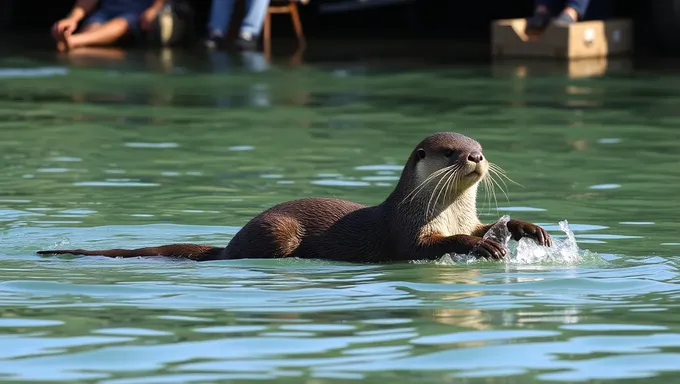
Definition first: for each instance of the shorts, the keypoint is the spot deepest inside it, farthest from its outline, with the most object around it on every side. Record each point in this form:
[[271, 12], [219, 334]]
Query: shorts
[[103, 15]]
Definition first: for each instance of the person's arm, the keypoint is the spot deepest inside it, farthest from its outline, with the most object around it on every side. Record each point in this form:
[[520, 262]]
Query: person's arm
[[81, 9], [158, 4], [150, 14], [155, 7], [68, 25]]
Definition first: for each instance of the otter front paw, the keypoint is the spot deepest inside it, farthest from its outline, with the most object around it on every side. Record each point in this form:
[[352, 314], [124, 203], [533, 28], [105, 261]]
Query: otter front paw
[[488, 248], [520, 229]]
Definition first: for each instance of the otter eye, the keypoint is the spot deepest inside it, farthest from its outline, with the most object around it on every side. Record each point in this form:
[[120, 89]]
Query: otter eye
[[421, 153], [448, 153]]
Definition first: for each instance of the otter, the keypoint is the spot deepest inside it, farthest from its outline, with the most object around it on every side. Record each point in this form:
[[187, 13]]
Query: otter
[[432, 211]]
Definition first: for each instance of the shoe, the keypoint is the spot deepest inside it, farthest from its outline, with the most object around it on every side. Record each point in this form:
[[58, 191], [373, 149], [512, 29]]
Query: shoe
[[563, 20], [214, 40], [537, 23], [246, 41]]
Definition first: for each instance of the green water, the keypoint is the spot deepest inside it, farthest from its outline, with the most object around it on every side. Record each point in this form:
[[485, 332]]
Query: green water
[[124, 154]]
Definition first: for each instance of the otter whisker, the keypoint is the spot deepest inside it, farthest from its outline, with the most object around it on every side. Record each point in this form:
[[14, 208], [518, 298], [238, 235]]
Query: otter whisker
[[501, 172], [454, 181], [492, 189], [451, 169], [495, 172], [502, 176], [496, 166], [422, 185], [491, 173], [499, 187], [487, 192], [492, 193], [451, 176], [429, 201], [439, 178], [456, 177]]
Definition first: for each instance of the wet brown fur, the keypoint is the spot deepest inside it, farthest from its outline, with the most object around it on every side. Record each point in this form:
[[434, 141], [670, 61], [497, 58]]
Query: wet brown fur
[[408, 225]]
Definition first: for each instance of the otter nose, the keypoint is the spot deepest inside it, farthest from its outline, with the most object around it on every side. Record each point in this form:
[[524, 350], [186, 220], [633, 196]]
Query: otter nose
[[475, 157]]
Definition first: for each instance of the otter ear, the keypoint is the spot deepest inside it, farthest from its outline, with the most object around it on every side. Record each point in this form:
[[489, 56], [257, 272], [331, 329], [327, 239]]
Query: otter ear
[[421, 153]]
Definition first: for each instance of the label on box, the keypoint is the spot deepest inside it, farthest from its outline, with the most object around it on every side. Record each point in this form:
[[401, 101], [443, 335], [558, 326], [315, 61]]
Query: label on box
[[589, 35]]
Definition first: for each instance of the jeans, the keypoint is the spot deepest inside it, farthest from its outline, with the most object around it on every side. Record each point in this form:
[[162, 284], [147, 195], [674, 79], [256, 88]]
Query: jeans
[[580, 6], [220, 15]]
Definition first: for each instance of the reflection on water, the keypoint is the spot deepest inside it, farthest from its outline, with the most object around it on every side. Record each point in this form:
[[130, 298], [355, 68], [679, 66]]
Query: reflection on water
[[126, 148], [525, 71], [574, 69]]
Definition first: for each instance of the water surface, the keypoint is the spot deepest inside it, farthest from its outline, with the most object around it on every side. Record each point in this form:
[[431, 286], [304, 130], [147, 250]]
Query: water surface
[[144, 151]]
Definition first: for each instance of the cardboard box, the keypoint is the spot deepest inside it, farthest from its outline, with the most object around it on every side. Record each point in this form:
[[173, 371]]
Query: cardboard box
[[585, 39]]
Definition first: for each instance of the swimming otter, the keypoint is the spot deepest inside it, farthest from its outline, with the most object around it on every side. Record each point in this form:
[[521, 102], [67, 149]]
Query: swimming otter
[[431, 212]]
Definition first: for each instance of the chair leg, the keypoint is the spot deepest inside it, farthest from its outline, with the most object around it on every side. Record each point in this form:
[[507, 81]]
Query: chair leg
[[295, 17], [267, 30]]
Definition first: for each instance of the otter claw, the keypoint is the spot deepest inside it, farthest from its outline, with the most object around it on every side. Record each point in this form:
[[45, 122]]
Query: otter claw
[[520, 229], [490, 249]]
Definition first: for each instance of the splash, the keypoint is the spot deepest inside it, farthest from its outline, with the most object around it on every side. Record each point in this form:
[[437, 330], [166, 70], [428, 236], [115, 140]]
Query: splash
[[526, 251]]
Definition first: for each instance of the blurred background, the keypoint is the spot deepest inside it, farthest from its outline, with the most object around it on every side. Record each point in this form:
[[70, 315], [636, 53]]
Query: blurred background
[[655, 21]]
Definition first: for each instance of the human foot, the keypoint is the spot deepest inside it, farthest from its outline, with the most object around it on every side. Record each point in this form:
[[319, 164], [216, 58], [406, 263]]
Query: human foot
[[246, 41], [214, 40], [568, 16], [63, 43], [537, 23], [62, 30]]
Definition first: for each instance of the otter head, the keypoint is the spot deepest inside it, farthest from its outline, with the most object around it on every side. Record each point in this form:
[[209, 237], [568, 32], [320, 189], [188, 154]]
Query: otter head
[[456, 160]]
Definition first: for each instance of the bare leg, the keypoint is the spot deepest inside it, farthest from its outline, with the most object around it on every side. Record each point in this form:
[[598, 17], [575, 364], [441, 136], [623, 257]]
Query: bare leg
[[99, 34], [62, 39], [91, 27]]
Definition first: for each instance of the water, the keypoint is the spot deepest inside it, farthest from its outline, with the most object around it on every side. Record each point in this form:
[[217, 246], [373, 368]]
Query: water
[[146, 150]]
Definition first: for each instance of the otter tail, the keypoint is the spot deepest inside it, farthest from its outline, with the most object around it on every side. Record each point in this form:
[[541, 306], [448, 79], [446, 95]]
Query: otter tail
[[186, 251]]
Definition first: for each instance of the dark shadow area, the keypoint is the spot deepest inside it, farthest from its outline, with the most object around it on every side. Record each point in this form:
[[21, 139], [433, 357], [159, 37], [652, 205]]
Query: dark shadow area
[[656, 23]]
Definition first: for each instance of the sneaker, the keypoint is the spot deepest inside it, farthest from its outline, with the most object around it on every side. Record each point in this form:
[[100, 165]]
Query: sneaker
[[215, 40], [563, 20], [537, 23], [246, 41]]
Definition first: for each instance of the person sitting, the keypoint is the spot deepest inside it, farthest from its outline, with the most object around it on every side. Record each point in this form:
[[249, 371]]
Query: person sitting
[[573, 12], [105, 25], [220, 16]]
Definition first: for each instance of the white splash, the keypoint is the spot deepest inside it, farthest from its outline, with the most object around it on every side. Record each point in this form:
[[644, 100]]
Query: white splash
[[526, 251]]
